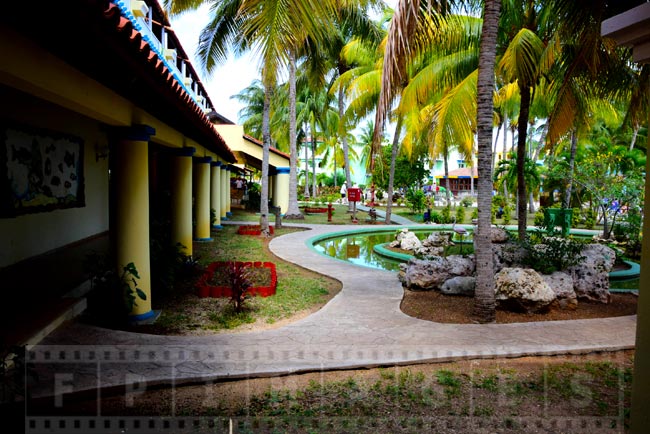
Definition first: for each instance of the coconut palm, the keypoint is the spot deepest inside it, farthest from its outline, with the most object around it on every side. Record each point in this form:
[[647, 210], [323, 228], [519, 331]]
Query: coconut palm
[[402, 42], [273, 29]]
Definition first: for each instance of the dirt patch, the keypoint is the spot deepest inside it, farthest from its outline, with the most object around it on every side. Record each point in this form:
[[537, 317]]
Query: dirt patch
[[553, 394], [436, 307]]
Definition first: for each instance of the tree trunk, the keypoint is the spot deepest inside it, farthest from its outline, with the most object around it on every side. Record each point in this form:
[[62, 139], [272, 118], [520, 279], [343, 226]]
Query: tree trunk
[[635, 133], [391, 171], [566, 203], [306, 171], [313, 159], [504, 155], [293, 212], [445, 159], [343, 135], [522, 125], [484, 302], [266, 146], [496, 143]]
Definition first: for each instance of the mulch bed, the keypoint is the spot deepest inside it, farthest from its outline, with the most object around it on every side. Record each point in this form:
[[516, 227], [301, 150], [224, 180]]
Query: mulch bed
[[214, 281], [253, 230], [436, 307]]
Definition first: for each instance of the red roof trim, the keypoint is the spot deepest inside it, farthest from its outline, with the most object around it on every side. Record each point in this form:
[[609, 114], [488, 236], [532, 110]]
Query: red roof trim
[[140, 48], [272, 149]]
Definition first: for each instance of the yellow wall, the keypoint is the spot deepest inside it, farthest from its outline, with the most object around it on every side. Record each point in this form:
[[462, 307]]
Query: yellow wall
[[233, 135], [33, 234]]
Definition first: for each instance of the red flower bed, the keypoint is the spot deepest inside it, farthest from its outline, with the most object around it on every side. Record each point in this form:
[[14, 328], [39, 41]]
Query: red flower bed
[[210, 285], [252, 230], [310, 210]]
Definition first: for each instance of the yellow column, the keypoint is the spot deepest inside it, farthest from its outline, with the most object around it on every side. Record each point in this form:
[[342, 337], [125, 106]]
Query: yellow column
[[640, 411], [281, 182], [131, 228], [202, 198], [182, 198], [215, 193], [225, 188], [228, 198]]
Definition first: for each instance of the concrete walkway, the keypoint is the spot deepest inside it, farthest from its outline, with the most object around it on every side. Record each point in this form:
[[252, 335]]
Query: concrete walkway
[[361, 327]]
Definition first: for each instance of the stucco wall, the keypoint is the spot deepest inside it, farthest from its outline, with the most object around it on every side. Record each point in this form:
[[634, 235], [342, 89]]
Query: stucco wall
[[33, 234]]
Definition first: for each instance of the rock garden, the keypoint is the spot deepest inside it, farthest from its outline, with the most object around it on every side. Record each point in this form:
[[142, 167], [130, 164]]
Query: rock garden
[[542, 276]]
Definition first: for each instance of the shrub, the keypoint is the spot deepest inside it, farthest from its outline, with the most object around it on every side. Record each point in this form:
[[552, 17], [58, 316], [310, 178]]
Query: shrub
[[549, 254], [475, 214], [576, 217], [460, 214], [416, 199], [506, 214], [539, 218], [590, 219], [446, 214], [436, 217], [467, 201]]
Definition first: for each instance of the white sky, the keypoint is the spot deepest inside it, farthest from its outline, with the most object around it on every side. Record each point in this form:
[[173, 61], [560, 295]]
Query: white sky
[[228, 79]]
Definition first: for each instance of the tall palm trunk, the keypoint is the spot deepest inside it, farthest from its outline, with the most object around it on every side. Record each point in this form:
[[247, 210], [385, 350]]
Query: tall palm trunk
[[445, 159], [313, 159], [566, 203], [522, 124], [494, 151], [306, 170], [391, 170], [266, 146], [504, 155], [343, 134], [484, 302], [293, 212]]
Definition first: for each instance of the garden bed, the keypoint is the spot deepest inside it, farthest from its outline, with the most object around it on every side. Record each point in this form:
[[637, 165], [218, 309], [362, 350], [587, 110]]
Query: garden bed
[[253, 230], [214, 281], [315, 210]]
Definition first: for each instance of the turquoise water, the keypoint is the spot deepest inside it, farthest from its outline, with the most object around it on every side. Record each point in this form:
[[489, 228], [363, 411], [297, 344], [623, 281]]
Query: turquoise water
[[359, 249]]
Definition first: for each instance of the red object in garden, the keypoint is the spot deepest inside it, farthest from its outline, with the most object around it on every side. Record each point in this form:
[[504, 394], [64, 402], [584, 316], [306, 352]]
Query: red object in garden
[[252, 230], [354, 194], [207, 289]]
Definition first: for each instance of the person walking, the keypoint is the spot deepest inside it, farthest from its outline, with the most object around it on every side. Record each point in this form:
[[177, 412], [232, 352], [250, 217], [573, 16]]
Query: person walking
[[344, 192]]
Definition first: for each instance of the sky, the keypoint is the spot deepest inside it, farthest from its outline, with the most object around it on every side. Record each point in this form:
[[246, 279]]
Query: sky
[[227, 79]]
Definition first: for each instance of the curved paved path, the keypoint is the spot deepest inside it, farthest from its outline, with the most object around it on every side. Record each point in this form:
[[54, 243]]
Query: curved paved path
[[361, 327]]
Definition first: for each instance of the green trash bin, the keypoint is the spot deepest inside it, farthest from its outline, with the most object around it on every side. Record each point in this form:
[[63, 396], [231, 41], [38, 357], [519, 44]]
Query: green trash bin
[[555, 218]]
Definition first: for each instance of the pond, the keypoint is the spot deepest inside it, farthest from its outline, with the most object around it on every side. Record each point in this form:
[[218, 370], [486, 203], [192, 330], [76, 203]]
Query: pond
[[360, 248]]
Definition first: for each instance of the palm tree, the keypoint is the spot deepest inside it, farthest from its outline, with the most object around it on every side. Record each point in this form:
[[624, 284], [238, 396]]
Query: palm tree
[[253, 99], [271, 28], [402, 42]]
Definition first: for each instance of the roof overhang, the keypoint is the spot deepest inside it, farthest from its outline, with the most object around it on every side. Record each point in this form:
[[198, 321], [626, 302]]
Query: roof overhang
[[632, 29], [249, 150]]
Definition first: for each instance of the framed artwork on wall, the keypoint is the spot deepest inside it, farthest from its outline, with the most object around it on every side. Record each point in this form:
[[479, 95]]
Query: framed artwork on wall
[[40, 170]]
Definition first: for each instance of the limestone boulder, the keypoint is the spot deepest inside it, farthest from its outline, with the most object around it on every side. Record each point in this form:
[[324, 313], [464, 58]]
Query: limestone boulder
[[562, 285], [509, 255], [430, 274], [522, 290], [459, 285], [591, 276]]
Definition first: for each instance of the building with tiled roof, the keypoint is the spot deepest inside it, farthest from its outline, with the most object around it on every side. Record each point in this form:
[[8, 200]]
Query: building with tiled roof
[[104, 132]]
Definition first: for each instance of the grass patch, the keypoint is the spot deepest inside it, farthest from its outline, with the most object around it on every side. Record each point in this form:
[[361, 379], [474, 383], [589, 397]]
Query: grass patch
[[298, 290]]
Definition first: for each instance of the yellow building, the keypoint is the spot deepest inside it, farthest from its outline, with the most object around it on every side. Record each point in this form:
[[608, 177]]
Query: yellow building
[[104, 131]]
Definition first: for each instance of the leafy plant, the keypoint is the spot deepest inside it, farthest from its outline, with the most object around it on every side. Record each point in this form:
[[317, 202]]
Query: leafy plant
[[547, 254], [446, 214], [467, 201], [239, 279], [14, 373], [416, 199], [460, 214], [539, 218], [119, 290], [475, 214]]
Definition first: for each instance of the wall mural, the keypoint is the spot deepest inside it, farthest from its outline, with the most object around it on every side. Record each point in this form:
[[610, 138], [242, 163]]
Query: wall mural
[[40, 170]]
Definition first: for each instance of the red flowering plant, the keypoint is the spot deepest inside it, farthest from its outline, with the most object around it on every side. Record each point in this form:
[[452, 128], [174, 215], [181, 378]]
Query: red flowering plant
[[219, 278]]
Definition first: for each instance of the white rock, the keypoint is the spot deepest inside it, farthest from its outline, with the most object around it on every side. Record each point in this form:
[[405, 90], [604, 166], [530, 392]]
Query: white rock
[[522, 290]]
